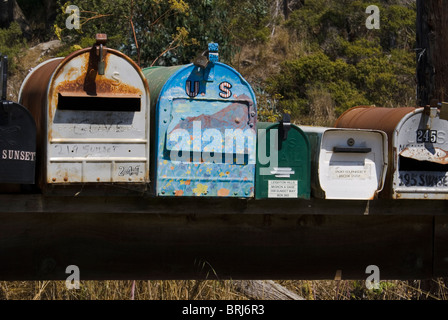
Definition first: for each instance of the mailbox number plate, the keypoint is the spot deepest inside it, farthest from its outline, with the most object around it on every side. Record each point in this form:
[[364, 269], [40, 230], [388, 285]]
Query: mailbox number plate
[[426, 136]]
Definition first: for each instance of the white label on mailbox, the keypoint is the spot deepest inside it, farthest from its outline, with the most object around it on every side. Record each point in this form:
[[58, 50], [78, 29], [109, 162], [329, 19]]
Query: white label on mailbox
[[283, 189], [350, 172]]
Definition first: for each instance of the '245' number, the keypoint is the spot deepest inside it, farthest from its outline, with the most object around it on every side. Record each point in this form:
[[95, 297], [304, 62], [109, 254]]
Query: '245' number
[[424, 136]]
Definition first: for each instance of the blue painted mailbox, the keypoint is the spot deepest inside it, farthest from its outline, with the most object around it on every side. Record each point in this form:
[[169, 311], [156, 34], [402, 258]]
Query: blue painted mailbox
[[205, 115]]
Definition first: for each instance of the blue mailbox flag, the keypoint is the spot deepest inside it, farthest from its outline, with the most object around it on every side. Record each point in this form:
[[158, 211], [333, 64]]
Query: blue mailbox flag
[[205, 129]]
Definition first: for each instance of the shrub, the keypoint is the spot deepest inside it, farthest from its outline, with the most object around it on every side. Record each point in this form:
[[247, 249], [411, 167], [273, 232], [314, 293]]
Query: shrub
[[11, 44]]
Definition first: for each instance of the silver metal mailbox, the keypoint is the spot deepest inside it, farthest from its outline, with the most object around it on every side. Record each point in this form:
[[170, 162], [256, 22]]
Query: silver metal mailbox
[[92, 114], [347, 163]]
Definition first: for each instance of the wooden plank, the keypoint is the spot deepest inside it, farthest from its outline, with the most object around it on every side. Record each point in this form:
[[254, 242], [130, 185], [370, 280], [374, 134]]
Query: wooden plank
[[36, 246], [96, 205]]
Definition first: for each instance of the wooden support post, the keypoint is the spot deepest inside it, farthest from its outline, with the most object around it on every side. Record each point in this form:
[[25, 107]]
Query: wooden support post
[[432, 46]]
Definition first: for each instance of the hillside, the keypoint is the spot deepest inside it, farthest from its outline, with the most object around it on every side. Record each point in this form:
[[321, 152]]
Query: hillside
[[313, 59]]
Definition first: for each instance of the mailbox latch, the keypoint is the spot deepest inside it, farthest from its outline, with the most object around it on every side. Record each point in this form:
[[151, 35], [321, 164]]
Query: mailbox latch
[[101, 51], [3, 88], [284, 127]]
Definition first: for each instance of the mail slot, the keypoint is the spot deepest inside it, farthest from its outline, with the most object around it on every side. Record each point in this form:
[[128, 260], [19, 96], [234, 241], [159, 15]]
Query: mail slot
[[17, 139], [347, 164], [92, 114], [418, 146], [283, 161], [205, 129]]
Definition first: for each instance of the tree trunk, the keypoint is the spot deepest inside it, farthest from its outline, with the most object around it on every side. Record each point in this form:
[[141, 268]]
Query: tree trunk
[[11, 12], [432, 46], [6, 13]]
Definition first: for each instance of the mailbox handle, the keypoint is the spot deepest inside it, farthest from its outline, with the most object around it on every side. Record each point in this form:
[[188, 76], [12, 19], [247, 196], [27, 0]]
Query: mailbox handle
[[351, 150], [285, 125]]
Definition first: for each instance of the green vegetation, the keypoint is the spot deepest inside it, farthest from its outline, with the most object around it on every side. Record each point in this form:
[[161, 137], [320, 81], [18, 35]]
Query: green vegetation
[[167, 32], [315, 63], [351, 63], [12, 44]]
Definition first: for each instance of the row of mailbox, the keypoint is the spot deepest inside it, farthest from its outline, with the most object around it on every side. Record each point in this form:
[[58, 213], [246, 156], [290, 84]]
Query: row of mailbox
[[192, 130]]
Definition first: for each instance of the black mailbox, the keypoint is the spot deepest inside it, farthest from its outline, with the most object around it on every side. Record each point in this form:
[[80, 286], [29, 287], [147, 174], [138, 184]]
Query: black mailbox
[[17, 138]]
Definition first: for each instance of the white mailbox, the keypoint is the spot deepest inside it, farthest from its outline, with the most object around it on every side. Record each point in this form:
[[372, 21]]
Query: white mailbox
[[347, 164]]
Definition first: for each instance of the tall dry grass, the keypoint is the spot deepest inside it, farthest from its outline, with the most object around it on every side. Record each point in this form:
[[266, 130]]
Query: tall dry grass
[[435, 289]]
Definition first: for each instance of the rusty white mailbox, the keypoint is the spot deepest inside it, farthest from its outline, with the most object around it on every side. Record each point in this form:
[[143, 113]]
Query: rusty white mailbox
[[92, 116], [418, 144], [347, 163]]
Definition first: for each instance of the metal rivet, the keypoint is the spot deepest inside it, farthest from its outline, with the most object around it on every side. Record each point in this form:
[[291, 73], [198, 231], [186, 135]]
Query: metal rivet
[[426, 196], [251, 125], [163, 192], [65, 179], [351, 142], [54, 179], [97, 179], [252, 114], [237, 120]]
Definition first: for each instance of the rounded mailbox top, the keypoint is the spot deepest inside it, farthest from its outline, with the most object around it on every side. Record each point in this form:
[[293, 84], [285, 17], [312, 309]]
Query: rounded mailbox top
[[370, 117]]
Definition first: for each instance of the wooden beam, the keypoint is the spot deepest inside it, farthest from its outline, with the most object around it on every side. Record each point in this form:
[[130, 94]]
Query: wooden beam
[[97, 205], [133, 246]]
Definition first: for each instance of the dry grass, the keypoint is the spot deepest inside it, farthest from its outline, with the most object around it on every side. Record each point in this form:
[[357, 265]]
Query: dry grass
[[435, 289], [257, 62]]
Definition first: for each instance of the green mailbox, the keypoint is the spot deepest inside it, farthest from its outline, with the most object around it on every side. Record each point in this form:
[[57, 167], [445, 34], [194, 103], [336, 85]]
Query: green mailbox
[[283, 161]]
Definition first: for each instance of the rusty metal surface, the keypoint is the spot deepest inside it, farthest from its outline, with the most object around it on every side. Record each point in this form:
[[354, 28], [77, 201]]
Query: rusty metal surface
[[369, 117], [33, 96]]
